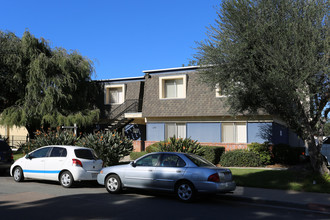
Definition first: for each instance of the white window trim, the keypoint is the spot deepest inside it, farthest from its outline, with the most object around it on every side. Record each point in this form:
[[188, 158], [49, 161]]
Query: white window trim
[[235, 131], [217, 91], [107, 94], [162, 80], [176, 128]]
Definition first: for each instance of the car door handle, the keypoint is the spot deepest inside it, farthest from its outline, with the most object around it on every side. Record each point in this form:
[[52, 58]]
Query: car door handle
[[178, 171], [150, 170]]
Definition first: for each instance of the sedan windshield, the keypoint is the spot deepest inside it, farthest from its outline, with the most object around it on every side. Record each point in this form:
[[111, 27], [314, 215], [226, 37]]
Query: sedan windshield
[[199, 161]]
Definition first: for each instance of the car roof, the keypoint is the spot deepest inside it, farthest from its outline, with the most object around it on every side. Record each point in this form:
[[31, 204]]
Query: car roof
[[67, 146]]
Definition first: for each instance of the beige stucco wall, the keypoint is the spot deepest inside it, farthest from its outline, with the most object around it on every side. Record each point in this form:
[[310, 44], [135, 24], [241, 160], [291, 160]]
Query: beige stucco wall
[[16, 134]]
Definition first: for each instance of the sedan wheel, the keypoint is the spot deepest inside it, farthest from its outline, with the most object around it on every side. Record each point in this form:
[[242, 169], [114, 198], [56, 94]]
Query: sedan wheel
[[113, 184], [66, 179], [185, 191], [18, 174]]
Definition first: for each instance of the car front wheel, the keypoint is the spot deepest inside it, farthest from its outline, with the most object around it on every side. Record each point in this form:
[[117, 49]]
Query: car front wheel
[[66, 179], [185, 191], [18, 174], [113, 184]]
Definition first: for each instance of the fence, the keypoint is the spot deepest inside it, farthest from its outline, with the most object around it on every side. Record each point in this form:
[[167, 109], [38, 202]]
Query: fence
[[15, 140]]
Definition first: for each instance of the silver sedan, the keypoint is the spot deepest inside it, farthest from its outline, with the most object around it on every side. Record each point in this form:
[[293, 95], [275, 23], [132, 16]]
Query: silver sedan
[[184, 174]]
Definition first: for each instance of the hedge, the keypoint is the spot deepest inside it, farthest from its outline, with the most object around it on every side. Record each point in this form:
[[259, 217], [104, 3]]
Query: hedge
[[240, 158], [213, 153]]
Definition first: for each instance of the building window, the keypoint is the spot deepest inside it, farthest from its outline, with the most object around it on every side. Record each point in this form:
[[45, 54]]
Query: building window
[[172, 87], [218, 92], [175, 129], [114, 94], [234, 132]]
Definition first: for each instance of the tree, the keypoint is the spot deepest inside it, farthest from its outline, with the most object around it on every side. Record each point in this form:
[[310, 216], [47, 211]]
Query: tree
[[327, 129], [273, 55], [44, 86]]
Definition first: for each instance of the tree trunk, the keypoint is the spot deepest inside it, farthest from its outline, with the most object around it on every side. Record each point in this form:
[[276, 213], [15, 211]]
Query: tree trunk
[[317, 161], [31, 130]]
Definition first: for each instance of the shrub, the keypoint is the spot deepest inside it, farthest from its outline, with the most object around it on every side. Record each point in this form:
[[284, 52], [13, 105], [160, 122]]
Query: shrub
[[285, 154], [109, 146], [185, 145], [240, 158], [136, 155], [213, 153], [153, 148], [50, 137], [263, 151]]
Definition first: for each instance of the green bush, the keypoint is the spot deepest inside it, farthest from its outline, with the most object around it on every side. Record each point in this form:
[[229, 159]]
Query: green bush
[[153, 148], [240, 158], [109, 146], [263, 151], [136, 155], [185, 145], [50, 137], [213, 153], [285, 154]]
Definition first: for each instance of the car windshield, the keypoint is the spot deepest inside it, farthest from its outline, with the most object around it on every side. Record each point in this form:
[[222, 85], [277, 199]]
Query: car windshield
[[85, 154], [199, 161]]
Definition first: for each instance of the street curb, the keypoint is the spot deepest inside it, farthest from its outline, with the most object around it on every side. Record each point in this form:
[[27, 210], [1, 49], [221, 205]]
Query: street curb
[[316, 207]]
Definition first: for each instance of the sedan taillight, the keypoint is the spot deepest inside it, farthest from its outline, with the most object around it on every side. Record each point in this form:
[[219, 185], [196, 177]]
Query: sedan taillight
[[214, 178], [76, 162]]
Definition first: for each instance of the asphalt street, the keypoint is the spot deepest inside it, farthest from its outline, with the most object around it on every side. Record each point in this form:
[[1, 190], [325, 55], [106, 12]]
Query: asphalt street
[[48, 200]]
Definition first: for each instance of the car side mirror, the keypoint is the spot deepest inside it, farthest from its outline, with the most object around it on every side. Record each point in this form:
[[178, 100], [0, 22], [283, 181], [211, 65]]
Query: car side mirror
[[133, 164], [28, 156]]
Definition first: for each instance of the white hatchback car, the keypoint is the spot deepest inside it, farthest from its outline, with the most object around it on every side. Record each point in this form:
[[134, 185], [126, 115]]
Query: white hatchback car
[[65, 164]]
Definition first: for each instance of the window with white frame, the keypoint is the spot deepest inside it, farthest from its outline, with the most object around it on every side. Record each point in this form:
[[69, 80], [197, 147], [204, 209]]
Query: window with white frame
[[234, 132], [175, 129], [114, 94], [218, 92], [172, 87]]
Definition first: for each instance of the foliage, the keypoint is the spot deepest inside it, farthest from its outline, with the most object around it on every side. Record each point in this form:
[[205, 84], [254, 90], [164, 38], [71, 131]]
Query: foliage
[[185, 145], [285, 154], [153, 148], [260, 72], [44, 86], [327, 129], [263, 151], [213, 153], [109, 146], [136, 155], [240, 158], [51, 137]]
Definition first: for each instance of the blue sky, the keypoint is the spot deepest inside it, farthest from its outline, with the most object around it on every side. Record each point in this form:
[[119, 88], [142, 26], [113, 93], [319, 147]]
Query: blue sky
[[121, 37]]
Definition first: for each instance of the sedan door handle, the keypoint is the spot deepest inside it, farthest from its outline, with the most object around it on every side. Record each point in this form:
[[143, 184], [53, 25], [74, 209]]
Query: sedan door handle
[[150, 170], [178, 171]]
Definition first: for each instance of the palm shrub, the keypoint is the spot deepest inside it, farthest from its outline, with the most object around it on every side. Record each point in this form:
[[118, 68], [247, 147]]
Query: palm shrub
[[185, 145], [109, 146], [263, 151]]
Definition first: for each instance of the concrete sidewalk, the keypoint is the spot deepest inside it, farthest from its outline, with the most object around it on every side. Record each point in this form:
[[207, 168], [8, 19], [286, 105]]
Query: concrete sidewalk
[[306, 200]]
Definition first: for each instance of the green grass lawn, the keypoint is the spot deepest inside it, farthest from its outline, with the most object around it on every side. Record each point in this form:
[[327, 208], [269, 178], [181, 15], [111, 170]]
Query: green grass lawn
[[18, 155], [281, 179]]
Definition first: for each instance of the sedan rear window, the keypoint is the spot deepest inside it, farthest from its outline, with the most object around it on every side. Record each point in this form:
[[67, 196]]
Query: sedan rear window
[[199, 161], [85, 154]]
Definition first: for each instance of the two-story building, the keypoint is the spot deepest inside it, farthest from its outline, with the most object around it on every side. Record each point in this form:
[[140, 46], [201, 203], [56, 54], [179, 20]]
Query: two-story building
[[168, 102]]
